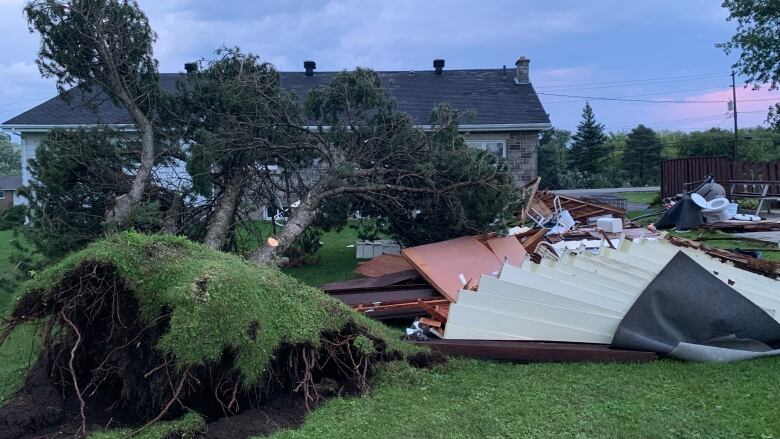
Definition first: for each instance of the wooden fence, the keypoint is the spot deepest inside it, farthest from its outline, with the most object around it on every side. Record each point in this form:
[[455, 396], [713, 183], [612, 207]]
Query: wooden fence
[[675, 173]]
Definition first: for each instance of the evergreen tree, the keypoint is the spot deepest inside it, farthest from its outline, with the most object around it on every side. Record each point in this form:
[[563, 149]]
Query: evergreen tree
[[642, 156], [588, 148]]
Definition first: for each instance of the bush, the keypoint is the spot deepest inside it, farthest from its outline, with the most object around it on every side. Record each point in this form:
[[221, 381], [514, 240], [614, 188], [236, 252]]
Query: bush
[[12, 217]]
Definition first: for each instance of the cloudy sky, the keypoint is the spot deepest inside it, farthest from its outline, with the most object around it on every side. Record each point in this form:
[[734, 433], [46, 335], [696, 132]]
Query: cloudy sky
[[645, 50]]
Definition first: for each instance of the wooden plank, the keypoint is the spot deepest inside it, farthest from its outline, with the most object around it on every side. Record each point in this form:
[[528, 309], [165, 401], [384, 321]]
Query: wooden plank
[[534, 351], [368, 283], [442, 263], [383, 265]]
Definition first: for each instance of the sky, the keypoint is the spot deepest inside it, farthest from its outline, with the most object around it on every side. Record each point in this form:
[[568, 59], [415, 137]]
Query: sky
[[645, 50]]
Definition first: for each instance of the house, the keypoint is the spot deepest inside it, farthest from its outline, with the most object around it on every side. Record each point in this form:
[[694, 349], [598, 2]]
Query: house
[[501, 111], [8, 186]]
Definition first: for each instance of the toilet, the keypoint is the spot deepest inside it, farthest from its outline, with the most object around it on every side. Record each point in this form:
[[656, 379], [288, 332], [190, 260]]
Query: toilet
[[716, 205], [718, 209]]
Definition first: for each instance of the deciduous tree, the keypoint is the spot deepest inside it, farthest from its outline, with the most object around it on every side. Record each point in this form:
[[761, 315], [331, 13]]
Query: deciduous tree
[[757, 39], [642, 156]]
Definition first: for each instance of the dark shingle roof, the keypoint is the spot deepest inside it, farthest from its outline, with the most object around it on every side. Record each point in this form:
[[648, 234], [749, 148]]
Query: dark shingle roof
[[10, 182], [490, 96]]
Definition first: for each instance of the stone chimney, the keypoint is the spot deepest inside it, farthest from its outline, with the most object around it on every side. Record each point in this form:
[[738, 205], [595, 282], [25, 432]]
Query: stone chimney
[[521, 73]]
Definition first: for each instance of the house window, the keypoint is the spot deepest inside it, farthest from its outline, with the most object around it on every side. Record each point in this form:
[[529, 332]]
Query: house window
[[2, 195], [497, 147]]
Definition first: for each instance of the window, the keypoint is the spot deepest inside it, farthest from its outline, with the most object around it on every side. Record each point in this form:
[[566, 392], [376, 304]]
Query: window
[[2, 195], [497, 147]]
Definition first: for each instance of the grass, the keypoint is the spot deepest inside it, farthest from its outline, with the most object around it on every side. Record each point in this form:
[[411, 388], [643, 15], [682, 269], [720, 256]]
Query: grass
[[21, 348], [470, 398], [648, 198], [769, 251], [336, 260]]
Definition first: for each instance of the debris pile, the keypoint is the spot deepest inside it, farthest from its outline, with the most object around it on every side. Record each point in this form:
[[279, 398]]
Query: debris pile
[[579, 282]]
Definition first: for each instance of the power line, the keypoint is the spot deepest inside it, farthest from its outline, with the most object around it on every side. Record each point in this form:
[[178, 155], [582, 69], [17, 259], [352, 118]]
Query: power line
[[644, 94], [639, 81], [649, 101]]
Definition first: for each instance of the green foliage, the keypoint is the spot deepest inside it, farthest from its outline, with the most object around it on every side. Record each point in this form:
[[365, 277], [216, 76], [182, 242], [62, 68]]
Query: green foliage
[[757, 38], [642, 157], [10, 157], [364, 345], [75, 176], [368, 229], [573, 179], [106, 43], [12, 217], [486, 201], [553, 145], [588, 152], [189, 426], [213, 298]]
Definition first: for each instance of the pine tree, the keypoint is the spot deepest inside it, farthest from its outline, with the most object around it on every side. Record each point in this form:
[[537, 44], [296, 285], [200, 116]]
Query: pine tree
[[642, 157], [588, 151]]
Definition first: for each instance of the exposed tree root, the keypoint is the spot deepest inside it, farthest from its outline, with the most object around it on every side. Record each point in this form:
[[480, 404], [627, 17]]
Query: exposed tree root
[[98, 351]]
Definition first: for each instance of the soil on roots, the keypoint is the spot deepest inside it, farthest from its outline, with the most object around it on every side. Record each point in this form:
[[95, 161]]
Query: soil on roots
[[100, 369]]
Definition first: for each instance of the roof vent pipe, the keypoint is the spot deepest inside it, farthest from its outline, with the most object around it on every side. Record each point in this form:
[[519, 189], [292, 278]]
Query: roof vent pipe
[[438, 65], [309, 66], [191, 67]]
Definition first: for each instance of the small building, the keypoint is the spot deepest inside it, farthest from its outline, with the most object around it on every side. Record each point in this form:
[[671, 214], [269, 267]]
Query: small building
[[500, 109], [8, 186]]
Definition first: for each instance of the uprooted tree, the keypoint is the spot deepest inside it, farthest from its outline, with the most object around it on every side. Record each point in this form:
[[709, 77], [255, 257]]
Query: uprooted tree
[[248, 141], [104, 47], [143, 328]]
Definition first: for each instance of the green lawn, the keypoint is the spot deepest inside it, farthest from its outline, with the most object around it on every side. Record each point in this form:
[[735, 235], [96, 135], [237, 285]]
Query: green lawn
[[470, 398], [21, 347], [641, 197]]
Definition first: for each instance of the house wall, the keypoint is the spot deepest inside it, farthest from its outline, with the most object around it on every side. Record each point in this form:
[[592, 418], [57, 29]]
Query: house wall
[[29, 143], [522, 151], [8, 200]]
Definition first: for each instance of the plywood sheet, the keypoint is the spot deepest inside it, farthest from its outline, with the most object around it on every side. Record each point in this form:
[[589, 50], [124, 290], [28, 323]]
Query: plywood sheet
[[508, 249], [442, 263]]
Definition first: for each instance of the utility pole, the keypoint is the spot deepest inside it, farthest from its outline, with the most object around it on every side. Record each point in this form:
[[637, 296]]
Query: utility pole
[[734, 94]]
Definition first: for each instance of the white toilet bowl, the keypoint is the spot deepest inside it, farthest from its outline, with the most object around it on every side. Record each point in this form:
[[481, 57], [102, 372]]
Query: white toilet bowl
[[715, 206]]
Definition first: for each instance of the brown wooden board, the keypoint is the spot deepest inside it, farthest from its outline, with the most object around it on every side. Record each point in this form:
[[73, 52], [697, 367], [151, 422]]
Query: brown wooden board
[[382, 265], [536, 351], [508, 248], [743, 226], [580, 209], [441, 263], [394, 294], [367, 283]]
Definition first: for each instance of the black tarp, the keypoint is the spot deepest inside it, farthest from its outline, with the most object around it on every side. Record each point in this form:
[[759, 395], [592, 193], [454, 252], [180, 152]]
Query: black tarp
[[688, 313], [685, 214]]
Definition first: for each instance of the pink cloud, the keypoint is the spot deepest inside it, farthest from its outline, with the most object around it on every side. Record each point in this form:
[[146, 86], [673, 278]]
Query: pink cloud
[[713, 111]]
